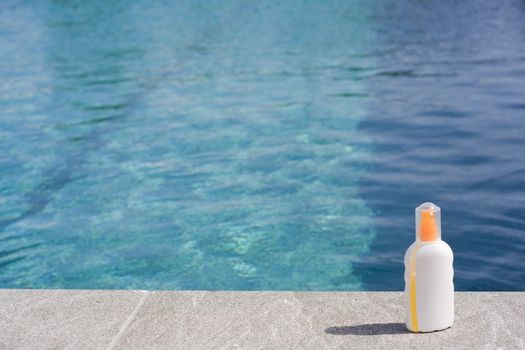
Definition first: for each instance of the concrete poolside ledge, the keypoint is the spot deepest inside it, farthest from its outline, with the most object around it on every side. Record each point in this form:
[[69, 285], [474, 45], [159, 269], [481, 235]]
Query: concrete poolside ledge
[[71, 319]]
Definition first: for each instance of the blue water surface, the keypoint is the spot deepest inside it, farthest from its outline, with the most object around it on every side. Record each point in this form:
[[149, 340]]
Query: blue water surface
[[273, 145]]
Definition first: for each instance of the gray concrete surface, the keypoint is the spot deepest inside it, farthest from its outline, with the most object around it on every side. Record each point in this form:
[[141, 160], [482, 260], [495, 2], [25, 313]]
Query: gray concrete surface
[[57, 319]]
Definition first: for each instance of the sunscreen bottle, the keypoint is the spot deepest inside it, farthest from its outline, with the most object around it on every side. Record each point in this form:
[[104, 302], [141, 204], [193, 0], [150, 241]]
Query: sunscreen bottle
[[429, 288]]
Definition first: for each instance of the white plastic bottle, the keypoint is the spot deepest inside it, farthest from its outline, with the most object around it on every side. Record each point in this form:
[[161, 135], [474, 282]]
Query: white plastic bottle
[[429, 287]]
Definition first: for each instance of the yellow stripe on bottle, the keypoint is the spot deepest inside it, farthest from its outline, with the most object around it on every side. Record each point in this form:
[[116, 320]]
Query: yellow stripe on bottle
[[413, 305]]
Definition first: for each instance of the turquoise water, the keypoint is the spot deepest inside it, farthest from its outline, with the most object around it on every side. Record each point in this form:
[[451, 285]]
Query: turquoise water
[[258, 146]]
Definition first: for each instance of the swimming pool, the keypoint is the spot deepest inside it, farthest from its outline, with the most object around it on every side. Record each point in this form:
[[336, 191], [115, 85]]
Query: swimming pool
[[270, 146]]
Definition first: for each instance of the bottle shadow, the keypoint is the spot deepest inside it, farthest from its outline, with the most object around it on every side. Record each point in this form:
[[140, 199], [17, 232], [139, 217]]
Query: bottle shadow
[[369, 329]]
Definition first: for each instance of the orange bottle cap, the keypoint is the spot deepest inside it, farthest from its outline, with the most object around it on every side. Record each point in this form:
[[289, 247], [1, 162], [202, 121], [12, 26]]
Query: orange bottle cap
[[428, 222]]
